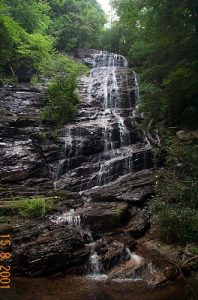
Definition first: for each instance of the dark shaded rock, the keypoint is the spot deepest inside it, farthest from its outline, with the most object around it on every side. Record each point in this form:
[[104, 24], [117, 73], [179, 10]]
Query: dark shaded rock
[[100, 145], [24, 74], [46, 248], [125, 238], [20, 162], [138, 225], [24, 152]]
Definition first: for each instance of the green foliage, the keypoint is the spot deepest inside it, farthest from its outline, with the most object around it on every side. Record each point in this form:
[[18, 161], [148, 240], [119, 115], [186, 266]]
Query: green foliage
[[35, 80], [63, 65], [175, 207], [76, 23], [62, 100], [19, 48], [31, 15], [29, 208], [160, 38], [62, 97], [42, 136], [192, 248], [35, 207], [10, 37], [31, 30], [35, 49], [177, 224], [116, 38]]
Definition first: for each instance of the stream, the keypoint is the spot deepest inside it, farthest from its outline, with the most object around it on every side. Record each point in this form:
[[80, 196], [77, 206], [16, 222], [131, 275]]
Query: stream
[[79, 288]]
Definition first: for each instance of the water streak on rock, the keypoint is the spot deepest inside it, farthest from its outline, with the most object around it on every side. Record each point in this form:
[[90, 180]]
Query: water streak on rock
[[104, 142]]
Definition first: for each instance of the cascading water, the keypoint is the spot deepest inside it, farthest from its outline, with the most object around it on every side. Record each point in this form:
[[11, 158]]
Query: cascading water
[[134, 257], [104, 142], [70, 218], [95, 265], [137, 86]]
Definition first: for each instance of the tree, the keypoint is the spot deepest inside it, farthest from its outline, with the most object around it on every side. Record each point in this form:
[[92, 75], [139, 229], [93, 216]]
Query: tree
[[31, 15], [76, 23]]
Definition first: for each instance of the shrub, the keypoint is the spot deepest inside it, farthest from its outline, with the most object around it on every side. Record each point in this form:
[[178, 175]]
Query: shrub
[[62, 65], [176, 223], [62, 100], [35, 207], [175, 207], [192, 248], [62, 97]]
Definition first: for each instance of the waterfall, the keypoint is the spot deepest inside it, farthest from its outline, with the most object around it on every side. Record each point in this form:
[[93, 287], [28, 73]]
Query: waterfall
[[95, 264], [124, 133], [66, 152], [137, 88], [103, 143]]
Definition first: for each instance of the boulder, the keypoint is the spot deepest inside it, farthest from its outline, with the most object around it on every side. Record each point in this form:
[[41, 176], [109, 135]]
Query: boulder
[[138, 225], [109, 253], [47, 248], [104, 217]]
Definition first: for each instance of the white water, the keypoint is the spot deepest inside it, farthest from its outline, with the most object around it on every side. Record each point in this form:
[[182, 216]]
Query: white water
[[70, 218], [137, 86], [95, 265], [124, 133], [96, 268], [110, 107], [106, 110], [134, 257], [66, 151]]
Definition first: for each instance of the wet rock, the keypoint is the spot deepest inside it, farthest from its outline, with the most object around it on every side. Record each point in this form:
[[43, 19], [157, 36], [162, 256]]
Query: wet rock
[[110, 253], [144, 271], [23, 152], [19, 161], [102, 143], [46, 248], [104, 217], [133, 188], [102, 148]]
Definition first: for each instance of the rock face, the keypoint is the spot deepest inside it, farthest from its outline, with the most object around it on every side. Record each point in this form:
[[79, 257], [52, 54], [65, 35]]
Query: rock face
[[135, 188], [19, 158], [104, 141], [102, 155]]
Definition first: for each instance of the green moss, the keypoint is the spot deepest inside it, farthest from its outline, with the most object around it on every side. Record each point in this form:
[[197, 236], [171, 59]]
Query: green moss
[[34, 207]]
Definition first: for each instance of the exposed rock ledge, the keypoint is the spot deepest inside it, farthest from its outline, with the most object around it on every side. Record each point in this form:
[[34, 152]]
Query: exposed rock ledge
[[135, 188]]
